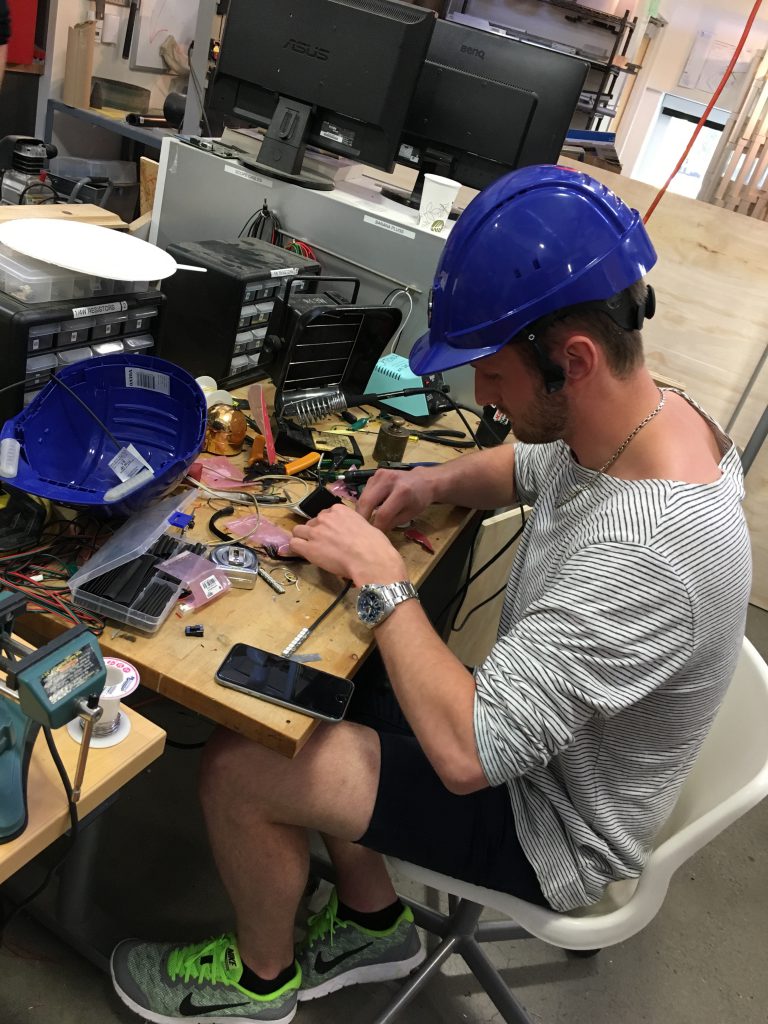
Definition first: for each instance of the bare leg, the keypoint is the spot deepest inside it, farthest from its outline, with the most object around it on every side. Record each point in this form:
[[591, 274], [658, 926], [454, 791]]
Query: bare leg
[[362, 879], [257, 806]]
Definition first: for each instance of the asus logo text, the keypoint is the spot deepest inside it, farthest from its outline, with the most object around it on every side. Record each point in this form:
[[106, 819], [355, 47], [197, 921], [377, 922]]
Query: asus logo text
[[318, 52]]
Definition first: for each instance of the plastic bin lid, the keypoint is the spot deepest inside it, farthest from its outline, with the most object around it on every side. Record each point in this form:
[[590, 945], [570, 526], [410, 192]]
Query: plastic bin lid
[[133, 538], [88, 249]]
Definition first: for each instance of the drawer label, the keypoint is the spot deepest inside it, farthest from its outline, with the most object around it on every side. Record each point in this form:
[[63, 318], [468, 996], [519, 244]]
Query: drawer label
[[389, 226], [248, 175], [105, 307]]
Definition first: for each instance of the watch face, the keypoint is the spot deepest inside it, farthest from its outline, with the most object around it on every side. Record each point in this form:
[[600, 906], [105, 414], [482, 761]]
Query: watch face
[[369, 606]]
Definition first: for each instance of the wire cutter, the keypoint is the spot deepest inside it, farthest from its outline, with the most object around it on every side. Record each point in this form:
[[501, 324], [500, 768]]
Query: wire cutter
[[440, 435]]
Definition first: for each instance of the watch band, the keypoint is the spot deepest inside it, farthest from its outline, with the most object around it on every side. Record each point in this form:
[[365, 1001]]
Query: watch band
[[377, 601]]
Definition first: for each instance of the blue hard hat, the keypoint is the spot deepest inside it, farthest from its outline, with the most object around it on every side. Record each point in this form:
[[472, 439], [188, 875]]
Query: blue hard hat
[[60, 447], [538, 240]]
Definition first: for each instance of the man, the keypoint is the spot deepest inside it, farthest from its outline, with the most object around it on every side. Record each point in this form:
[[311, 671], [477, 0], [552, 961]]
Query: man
[[548, 773], [5, 35]]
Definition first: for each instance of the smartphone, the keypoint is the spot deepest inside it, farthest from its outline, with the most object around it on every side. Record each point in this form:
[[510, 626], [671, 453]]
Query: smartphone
[[287, 683], [315, 502]]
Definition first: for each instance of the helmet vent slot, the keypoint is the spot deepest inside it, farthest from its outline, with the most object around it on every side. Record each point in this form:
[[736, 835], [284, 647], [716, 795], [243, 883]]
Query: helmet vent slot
[[536, 264]]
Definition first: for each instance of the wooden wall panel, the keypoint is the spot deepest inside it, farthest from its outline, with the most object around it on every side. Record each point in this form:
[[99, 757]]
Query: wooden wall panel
[[712, 322]]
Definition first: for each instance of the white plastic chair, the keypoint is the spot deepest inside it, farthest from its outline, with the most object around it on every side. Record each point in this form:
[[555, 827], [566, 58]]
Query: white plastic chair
[[730, 777]]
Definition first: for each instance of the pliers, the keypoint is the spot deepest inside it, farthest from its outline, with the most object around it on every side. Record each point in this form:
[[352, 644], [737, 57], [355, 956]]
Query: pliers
[[441, 435]]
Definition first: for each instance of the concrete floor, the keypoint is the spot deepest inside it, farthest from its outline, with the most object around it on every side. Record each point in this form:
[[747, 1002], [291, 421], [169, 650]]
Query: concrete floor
[[701, 961]]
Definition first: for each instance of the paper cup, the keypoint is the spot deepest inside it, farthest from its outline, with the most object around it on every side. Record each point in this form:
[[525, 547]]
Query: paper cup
[[436, 201]]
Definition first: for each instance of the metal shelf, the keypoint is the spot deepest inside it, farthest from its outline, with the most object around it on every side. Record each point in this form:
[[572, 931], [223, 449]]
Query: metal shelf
[[622, 28]]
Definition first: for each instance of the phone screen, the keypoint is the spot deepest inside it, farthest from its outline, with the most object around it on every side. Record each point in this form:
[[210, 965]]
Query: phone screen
[[284, 682]]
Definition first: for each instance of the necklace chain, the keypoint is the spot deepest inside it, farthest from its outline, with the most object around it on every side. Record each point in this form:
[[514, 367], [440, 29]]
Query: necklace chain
[[619, 451]]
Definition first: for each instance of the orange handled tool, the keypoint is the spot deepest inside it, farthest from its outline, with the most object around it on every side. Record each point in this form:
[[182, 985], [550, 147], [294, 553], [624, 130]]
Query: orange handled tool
[[305, 462]]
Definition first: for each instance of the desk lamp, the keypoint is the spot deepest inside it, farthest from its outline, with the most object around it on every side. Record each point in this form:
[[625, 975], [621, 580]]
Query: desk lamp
[[46, 687]]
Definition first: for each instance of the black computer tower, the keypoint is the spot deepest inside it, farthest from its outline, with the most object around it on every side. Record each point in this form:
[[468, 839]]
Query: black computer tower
[[216, 322]]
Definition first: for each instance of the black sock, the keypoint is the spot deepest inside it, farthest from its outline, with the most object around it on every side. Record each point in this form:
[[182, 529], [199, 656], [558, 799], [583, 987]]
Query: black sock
[[261, 987], [378, 921]]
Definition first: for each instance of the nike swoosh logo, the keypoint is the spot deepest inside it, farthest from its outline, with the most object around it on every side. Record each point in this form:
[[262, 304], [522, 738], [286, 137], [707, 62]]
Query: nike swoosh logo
[[188, 1009], [322, 966]]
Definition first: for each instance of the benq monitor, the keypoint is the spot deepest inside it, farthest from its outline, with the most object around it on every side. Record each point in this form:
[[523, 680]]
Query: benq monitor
[[486, 104], [336, 74]]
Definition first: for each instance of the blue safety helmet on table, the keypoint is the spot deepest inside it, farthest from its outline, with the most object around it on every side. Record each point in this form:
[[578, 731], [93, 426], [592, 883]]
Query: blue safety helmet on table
[[538, 241], [63, 446]]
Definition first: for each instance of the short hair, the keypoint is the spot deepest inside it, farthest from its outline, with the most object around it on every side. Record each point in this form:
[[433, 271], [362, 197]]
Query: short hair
[[623, 348]]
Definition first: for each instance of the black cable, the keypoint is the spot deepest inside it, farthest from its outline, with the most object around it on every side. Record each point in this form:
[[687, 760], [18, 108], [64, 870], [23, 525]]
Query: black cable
[[90, 412], [458, 410], [9, 386], [471, 579], [336, 601], [262, 223], [458, 629], [39, 184], [73, 833]]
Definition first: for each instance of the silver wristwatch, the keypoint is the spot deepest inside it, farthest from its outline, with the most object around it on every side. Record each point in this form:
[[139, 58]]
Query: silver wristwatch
[[377, 601]]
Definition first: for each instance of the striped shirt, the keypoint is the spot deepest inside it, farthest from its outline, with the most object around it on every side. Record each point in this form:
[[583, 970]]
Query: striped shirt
[[621, 626]]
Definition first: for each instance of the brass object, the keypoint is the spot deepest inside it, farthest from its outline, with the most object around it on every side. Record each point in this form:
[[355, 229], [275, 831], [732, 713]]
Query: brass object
[[226, 430], [391, 442]]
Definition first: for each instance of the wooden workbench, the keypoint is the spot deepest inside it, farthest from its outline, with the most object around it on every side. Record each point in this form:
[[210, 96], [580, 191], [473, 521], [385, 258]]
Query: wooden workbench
[[182, 668], [108, 769]]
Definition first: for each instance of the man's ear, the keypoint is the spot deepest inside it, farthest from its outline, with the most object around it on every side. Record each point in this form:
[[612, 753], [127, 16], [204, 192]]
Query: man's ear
[[579, 357]]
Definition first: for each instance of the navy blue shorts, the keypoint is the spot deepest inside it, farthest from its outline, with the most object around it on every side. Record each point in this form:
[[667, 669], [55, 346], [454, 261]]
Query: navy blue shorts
[[470, 837]]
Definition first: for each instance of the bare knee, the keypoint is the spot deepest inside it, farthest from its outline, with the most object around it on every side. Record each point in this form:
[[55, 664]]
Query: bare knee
[[230, 764]]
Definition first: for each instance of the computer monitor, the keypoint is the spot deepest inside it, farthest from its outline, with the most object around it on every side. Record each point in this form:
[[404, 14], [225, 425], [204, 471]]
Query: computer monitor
[[336, 74], [486, 104]]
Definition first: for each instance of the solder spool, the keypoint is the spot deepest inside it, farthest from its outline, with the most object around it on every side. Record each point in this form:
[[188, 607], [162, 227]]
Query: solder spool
[[391, 442], [114, 725]]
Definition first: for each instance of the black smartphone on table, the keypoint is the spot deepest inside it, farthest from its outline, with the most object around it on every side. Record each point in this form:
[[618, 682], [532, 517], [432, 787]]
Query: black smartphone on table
[[290, 684]]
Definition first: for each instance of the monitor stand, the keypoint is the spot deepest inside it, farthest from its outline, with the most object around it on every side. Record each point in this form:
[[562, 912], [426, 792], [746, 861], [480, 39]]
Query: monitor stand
[[282, 150]]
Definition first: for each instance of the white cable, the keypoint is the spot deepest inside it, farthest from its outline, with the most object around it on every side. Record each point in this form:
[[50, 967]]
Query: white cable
[[398, 333]]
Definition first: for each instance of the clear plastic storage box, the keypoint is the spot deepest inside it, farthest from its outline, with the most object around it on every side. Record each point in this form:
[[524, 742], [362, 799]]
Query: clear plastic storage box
[[122, 580], [32, 281]]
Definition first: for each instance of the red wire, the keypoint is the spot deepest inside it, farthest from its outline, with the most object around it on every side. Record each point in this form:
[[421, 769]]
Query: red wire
[[705, 115]]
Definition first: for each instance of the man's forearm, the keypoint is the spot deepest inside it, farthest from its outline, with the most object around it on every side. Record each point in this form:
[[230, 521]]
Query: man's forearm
[[481, 480], [3, 58], [436, 694]]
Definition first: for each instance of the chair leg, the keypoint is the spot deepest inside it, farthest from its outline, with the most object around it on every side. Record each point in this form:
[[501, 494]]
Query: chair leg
[[417, 980], [458, 936], [493, 983]]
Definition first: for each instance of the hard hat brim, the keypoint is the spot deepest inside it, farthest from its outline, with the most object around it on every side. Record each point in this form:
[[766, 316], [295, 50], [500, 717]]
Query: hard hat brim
[[434, 356]]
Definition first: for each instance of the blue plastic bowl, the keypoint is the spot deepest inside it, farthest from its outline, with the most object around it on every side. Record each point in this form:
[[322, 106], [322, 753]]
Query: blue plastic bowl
[[64, 454]]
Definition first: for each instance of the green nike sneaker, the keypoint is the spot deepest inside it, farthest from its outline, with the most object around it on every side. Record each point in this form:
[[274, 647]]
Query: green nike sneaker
[[164, 983], [338, 953]]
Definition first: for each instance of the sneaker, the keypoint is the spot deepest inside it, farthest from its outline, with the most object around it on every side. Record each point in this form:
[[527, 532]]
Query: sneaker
[[166, 983], [338, 953]]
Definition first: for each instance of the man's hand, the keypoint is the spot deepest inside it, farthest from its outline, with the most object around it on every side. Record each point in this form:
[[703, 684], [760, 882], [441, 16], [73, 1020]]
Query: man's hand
[[342, 542], [393, 497]]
